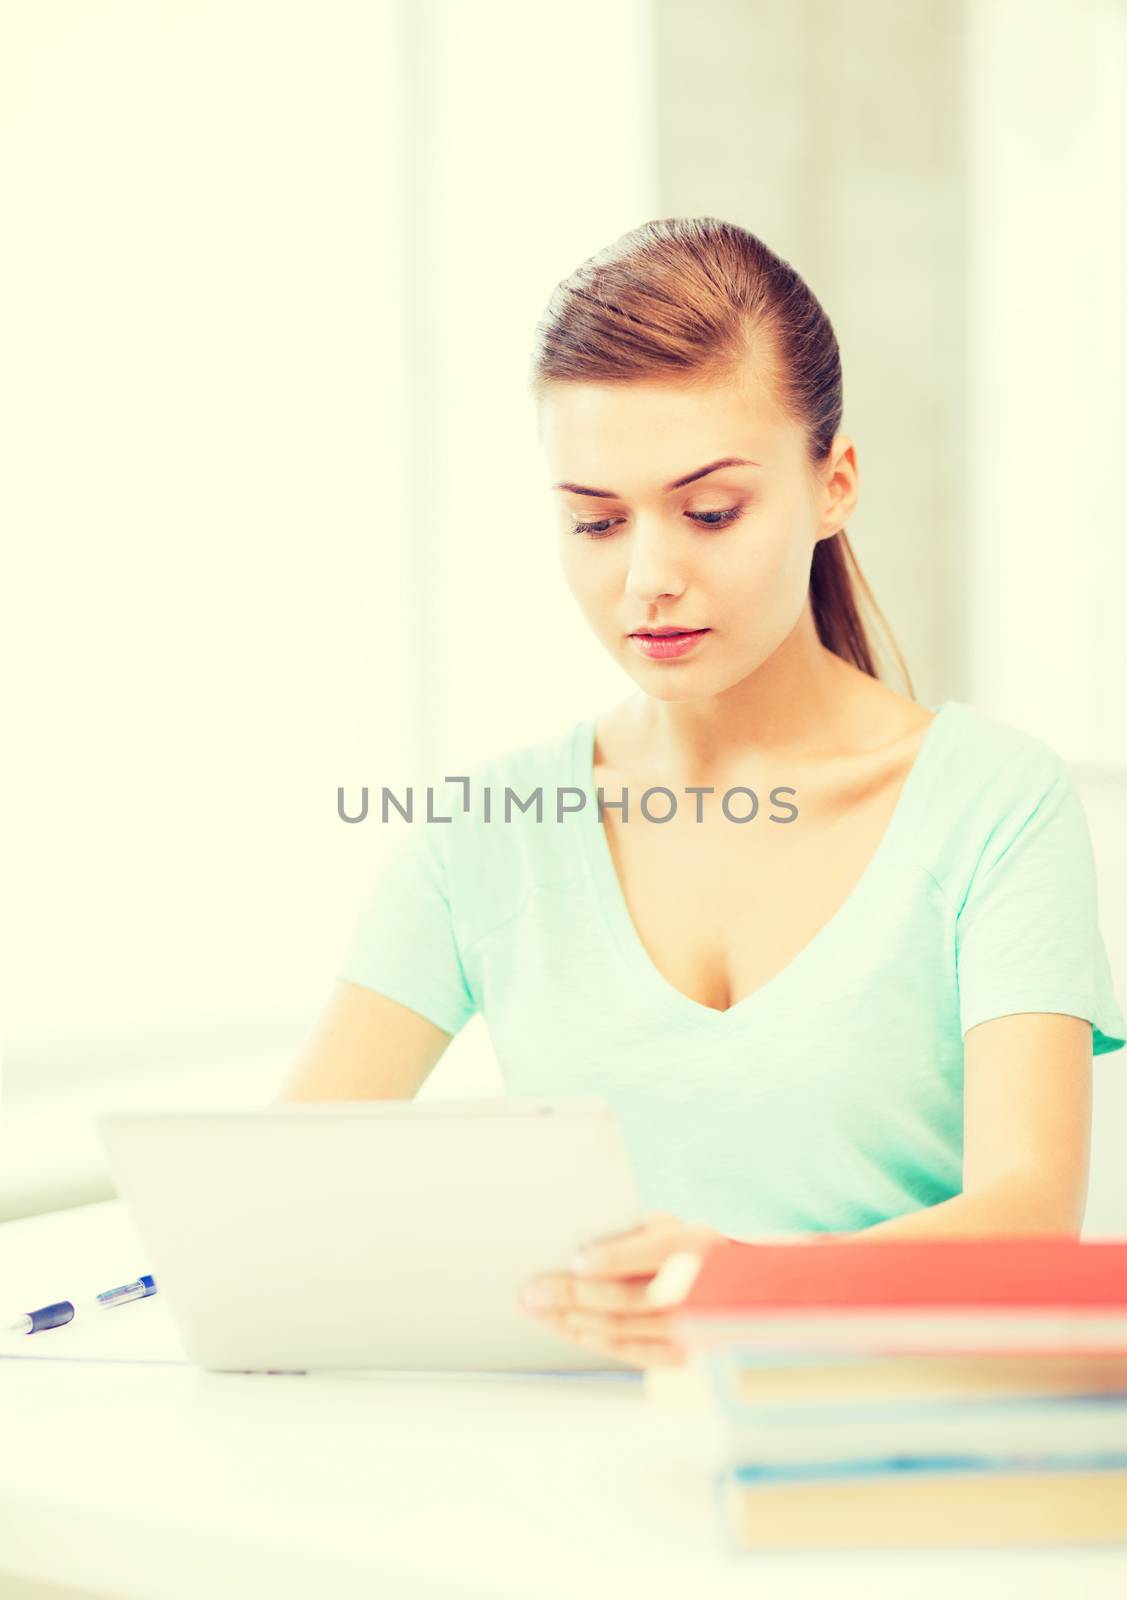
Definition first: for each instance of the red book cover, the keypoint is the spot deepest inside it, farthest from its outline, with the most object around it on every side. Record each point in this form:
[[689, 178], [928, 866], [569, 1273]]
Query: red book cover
[[1050, 1272]]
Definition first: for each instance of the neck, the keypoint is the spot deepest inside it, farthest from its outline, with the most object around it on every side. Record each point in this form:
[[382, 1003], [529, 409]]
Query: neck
[[802, 701]]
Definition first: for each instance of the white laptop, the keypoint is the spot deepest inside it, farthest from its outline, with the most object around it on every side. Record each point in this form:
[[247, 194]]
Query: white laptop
[[371, 1234]]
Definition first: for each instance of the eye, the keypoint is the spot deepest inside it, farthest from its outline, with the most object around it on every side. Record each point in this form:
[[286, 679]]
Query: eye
[[593, 530], [706, 519], [716, 519]]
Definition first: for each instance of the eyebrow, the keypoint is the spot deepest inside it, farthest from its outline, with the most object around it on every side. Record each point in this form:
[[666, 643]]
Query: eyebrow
[[678, 483]]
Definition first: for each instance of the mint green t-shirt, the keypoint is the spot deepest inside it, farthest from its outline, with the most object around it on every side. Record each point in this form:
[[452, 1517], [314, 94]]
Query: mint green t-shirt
[[831, 1097]]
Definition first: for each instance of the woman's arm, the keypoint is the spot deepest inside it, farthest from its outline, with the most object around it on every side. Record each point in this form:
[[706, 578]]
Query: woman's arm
[[1027, 1115], [365, 1047], [1027, 1121]]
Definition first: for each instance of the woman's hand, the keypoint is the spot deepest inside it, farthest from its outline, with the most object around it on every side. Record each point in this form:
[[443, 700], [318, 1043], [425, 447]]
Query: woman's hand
[[601, 1303]]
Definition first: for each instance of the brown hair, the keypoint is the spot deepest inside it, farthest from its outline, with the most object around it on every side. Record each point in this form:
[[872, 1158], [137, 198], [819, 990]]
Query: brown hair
[[687, 300]]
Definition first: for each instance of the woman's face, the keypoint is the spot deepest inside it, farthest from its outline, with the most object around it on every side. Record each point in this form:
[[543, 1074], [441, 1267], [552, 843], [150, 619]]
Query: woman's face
[[665, 544]]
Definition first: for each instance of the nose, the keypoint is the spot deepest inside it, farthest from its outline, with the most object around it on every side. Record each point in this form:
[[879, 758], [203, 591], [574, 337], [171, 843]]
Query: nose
[[655, 571]]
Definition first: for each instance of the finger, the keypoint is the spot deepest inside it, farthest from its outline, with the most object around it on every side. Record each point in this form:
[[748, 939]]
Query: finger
[[641, 1251], [569, 1292], [606, 1327], [650, 1353], [652, 1221], [635, 1352], [673, 1279]]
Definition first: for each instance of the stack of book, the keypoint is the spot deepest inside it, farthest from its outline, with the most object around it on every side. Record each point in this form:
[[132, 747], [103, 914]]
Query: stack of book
[[894, 1393]]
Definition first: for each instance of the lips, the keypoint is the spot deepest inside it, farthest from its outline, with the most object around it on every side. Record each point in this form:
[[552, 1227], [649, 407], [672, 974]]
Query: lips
[[668, 646]]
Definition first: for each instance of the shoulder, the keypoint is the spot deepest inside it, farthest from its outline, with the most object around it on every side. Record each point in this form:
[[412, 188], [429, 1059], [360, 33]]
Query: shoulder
[[541, 763], [982, 745], [504, 837], [987, 781], [999, 759]]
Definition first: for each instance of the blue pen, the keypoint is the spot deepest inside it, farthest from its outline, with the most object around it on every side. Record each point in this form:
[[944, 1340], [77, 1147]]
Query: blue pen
[[61, 1312], [145, 1284]]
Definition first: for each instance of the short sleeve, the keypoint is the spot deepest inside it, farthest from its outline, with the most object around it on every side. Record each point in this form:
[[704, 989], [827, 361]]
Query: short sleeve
[[403, 944], [1027, 934]]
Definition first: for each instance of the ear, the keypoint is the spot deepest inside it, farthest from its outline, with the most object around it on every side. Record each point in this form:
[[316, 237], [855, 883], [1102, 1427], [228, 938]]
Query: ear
[[840, 488]]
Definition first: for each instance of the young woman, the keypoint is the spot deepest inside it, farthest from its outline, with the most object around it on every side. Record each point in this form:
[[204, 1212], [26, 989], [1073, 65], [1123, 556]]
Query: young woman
[[840, 970]]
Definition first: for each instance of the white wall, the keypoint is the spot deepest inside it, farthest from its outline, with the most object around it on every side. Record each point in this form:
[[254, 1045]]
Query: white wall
[[537, 157], [1047, 412], [541, 152], [202, 503], [271, 279], [837, 133]]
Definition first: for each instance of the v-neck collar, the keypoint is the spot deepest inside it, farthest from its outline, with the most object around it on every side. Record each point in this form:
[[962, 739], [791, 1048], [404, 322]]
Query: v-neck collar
[[608, 889]]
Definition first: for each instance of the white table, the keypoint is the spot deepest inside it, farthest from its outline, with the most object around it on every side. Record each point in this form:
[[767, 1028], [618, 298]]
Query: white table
[[126, 1471]]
